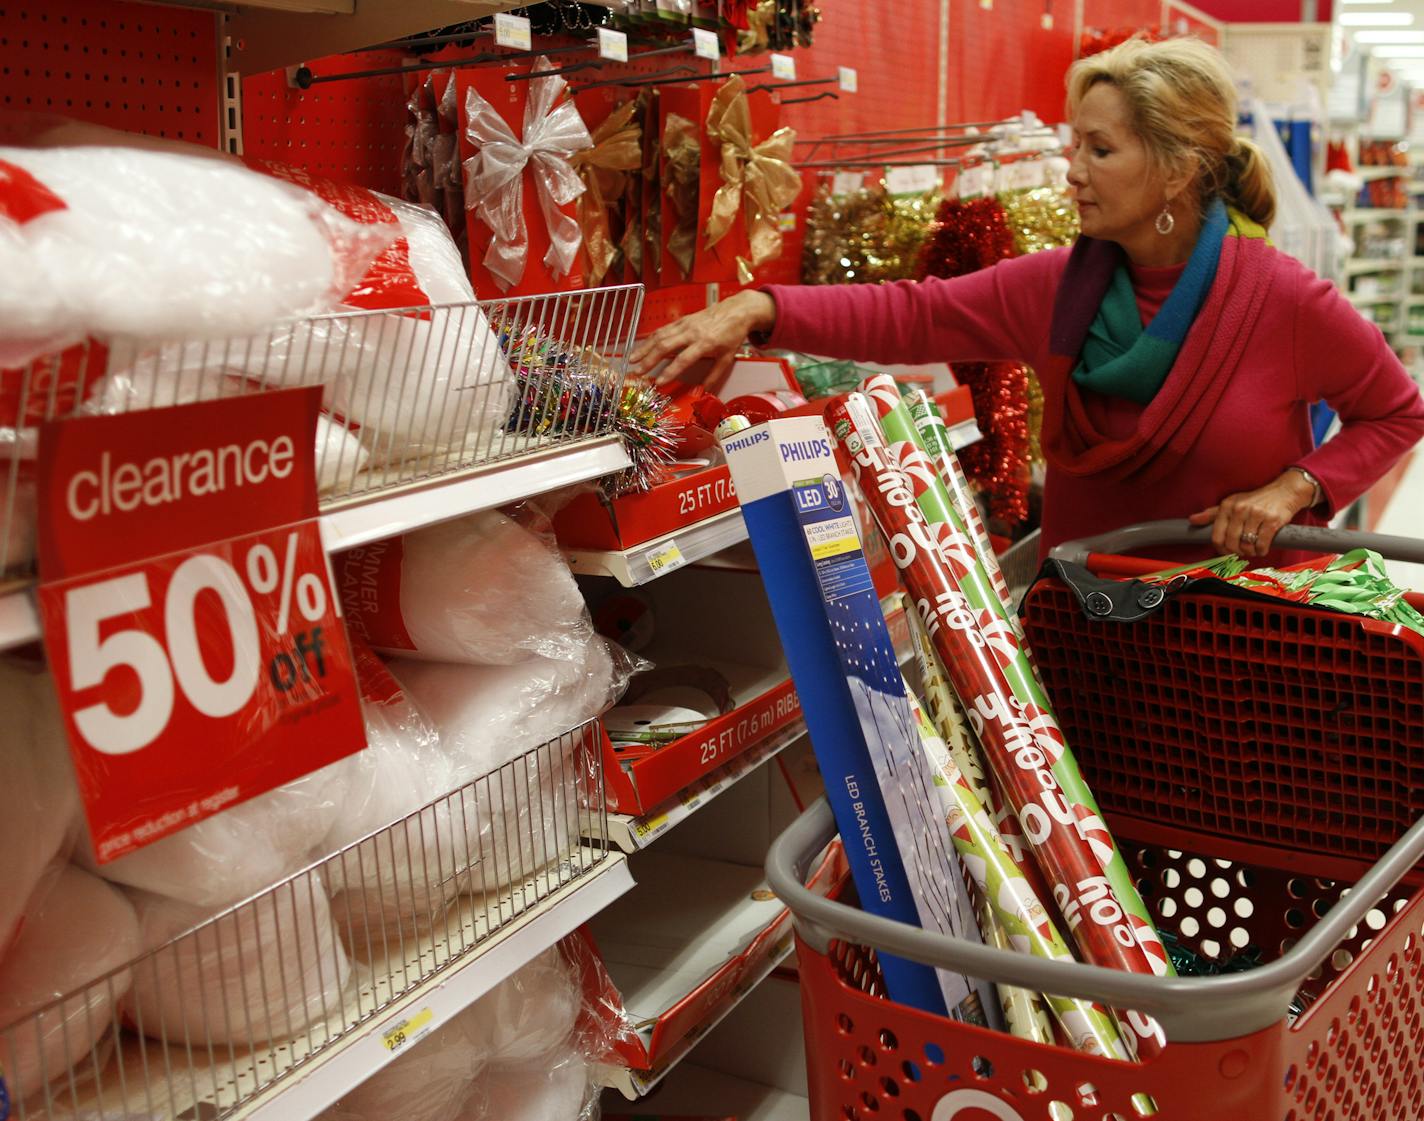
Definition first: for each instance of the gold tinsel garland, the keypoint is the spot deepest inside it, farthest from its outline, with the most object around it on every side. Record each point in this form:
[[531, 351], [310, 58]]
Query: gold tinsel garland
[[866, 236], [1039, 218]]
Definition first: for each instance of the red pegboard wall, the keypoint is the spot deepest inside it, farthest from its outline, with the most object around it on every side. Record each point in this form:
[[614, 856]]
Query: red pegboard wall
[[146, 68], [351, 132]]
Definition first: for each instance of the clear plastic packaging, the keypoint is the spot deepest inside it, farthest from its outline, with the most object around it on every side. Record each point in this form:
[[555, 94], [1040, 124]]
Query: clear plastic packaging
[[238, 852], [261, 972], [156, 244], [76, 928], [557, 1091], [481, 589], [518, 1041], [405, 874], [430, 1082], [40, 800], [157, 380], [529, 1016]]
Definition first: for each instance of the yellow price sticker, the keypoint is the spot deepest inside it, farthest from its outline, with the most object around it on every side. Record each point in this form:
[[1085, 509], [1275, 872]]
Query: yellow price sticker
[[408, 1030], [647, 825], [666, 559]]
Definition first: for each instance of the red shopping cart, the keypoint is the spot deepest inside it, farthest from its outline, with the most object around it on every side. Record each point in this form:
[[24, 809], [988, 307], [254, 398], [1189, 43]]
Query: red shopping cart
[[1255, 758]]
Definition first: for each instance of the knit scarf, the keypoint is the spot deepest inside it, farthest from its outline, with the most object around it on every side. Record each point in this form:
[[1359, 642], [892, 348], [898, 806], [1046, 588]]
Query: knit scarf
[[1219, 319]]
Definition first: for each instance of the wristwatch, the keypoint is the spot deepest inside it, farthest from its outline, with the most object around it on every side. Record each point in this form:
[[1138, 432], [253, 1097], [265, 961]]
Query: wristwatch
[[1313, 481]]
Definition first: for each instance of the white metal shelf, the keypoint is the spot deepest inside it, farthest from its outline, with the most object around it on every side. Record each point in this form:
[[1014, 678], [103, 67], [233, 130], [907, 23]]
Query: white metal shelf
[[359, 522], [646, 562], [1369, 174], [335, 1072], [635, 1085], [1358, 265], [1374, 214], [632, 833]]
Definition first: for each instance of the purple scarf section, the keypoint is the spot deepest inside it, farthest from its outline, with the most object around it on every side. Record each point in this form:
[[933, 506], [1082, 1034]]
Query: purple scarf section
[[1085, 282]]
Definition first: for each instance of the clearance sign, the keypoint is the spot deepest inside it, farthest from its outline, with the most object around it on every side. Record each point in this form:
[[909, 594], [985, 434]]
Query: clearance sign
[[196, 644]]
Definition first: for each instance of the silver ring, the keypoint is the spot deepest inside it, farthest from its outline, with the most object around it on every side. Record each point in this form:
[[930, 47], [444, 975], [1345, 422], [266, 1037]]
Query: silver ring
[[1248, 538]]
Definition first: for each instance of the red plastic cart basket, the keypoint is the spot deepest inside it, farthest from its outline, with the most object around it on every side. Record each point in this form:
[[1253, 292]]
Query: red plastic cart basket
[[1353, 951]]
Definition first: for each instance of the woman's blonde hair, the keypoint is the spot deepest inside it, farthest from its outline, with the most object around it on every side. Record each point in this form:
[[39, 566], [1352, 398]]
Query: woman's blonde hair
[[1182, 99]]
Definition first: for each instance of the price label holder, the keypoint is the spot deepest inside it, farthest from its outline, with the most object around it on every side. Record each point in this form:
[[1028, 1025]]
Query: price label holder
[[191, 625], [512, 31], [408, 1030], [612, 45], [849, 79], [913, 180], [667, 559], [783, 67], [705, 44], [845, 182]]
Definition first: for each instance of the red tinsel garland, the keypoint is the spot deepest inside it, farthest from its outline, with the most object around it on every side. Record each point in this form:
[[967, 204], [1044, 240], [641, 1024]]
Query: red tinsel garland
[[970, 236]]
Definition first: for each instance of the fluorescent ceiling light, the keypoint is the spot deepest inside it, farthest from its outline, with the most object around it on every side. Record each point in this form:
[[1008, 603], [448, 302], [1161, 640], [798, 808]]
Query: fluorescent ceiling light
[[1387, 53], [1389, 37], [1376, 19], [1372, 3]]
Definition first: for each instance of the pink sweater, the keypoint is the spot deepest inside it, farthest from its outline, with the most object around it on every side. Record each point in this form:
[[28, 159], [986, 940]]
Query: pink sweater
[[1309, 345]]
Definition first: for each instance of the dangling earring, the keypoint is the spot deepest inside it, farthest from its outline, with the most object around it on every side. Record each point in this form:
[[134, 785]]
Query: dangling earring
[[1165, 223]]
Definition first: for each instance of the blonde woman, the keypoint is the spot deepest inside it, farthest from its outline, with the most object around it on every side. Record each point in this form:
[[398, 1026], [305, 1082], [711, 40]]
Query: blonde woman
[[1179, 352]]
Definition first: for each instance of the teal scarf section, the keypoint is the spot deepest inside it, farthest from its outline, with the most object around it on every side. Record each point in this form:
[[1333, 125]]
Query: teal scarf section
[[1121, 358]]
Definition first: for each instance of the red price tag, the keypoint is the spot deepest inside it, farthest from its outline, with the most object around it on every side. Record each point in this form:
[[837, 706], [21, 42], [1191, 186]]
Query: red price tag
[[214, 670]]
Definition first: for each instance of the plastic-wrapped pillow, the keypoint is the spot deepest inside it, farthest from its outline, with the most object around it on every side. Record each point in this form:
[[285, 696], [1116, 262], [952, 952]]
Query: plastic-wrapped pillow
[[238, 852], [430, 1082], [429, 385], [180, 375], [261, 972], [529, 1016], [520, 810], [38, 799], [403, 875], [117, 241], [537, 1092], [481, 589], [76, 928]]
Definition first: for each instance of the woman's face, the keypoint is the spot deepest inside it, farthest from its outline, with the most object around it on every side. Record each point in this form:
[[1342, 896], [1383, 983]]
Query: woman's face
[[1118, 191]]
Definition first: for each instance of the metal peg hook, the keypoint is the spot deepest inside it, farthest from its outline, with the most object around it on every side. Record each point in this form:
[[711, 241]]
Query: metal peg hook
[[787, 85], [832, 94]]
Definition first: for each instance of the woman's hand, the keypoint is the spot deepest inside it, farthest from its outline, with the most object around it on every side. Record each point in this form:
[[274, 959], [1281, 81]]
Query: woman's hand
[[715, 333], [1246, 524]]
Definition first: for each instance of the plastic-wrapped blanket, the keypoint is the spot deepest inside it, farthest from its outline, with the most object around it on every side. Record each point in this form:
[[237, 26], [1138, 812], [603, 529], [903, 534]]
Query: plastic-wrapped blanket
[[126, 242], [263, 971], [76, 928], [481, 589]]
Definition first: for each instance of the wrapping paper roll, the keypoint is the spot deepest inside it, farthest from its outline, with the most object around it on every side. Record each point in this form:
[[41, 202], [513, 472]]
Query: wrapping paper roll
[[934, 441], [1024, 922], [977, 601], [1021, 741]]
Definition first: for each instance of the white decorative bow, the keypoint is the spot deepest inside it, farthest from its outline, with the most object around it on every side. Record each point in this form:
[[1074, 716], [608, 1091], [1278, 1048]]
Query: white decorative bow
[[494, 176]]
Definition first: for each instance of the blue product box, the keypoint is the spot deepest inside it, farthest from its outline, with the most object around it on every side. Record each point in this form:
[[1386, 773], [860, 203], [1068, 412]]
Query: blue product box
[[847, 674]]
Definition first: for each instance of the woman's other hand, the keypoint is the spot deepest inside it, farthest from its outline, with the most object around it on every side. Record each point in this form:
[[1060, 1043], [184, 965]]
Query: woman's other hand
[[714, 334], [1247, 523]]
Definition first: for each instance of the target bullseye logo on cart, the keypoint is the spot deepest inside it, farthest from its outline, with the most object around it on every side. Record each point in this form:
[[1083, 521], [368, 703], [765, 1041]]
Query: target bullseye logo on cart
[[973, 1105], [195, 641]]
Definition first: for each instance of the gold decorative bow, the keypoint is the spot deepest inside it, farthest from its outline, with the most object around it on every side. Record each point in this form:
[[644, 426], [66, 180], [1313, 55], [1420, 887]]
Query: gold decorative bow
[[617, 149], [757, 179], [761, 17], [682, 174]]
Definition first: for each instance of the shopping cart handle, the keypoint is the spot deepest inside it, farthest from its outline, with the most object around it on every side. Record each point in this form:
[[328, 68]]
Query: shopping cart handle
[[1190, 1009], [1308, 538]]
